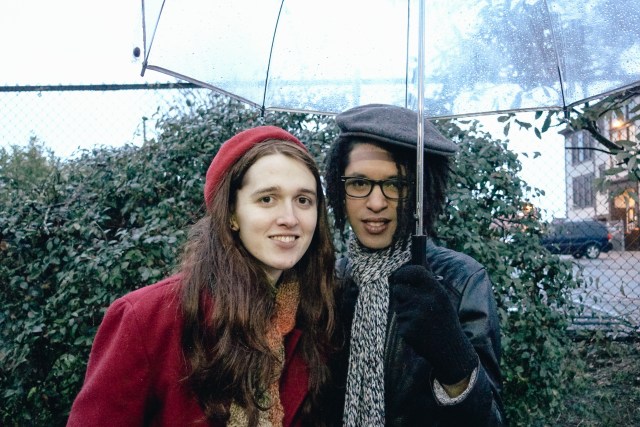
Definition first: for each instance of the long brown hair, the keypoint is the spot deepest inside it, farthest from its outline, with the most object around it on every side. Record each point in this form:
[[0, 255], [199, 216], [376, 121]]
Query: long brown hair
[[227, 303]]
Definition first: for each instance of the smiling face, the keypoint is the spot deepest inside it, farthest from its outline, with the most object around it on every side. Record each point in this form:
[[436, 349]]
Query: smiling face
[[374, 219], [276, 212]]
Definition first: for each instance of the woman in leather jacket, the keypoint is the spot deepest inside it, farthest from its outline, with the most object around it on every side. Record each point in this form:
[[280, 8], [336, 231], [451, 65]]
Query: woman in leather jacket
[[421, 343]]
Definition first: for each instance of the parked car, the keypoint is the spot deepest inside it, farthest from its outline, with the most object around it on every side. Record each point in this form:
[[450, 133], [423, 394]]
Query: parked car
[[578, 238]]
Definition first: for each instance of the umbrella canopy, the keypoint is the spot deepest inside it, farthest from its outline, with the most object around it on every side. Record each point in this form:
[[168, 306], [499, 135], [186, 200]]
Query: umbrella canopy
[[480, 57], [447, 58]]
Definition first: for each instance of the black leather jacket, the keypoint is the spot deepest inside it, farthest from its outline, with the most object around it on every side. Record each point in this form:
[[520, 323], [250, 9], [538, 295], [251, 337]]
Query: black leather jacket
[[409, 396]]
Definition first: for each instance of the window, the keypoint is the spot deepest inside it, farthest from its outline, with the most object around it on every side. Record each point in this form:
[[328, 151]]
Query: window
[[619, 128], [581, 144], [583, 193]]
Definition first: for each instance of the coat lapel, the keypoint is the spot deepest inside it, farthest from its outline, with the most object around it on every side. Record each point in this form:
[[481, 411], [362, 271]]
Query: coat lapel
[[294, 383]]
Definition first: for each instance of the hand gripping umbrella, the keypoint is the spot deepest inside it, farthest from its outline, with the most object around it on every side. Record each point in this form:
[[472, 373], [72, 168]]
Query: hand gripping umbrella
[[450, 58]]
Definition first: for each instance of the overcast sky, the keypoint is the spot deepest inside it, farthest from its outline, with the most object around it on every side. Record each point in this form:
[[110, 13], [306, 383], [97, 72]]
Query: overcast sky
[[70, 42]]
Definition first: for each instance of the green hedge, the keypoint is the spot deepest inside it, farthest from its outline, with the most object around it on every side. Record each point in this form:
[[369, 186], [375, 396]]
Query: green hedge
[[76, 234]]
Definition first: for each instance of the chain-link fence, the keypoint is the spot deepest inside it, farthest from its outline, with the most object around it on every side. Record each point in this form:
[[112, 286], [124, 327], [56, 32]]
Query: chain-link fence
[[597, 230], [71, 118], [601, 229]]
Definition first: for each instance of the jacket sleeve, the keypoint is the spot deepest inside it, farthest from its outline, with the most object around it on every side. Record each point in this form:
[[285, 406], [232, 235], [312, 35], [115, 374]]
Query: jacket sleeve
[[478, 317], [117, 380]]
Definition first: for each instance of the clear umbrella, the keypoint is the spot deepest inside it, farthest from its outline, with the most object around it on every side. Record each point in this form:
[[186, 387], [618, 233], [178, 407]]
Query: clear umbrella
[[480, 56], [445, 58]]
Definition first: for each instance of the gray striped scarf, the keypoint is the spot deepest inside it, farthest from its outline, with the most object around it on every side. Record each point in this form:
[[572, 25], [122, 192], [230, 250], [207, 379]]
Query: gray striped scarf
[[364, 402]]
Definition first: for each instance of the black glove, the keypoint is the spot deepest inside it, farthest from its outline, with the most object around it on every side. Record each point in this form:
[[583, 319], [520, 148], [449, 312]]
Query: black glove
[[428, 323]]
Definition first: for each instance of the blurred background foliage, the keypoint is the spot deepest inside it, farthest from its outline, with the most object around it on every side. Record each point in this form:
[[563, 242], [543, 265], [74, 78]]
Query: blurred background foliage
[[78, 233]]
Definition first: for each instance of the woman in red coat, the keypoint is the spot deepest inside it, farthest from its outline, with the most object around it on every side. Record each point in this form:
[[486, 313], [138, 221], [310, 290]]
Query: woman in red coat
[[239, 336]]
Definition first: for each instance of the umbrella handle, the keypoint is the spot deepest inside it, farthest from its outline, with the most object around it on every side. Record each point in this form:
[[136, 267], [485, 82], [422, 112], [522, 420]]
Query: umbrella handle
[[419, 249]]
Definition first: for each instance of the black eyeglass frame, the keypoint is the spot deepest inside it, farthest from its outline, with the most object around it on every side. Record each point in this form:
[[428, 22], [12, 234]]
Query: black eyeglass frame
[[379, 182]]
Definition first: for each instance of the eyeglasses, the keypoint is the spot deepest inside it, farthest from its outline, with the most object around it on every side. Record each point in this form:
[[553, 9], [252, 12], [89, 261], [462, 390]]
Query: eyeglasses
[[392, 189]]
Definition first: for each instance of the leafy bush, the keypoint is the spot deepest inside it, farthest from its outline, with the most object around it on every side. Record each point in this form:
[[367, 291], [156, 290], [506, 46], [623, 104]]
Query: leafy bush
[[77, 234], [24, 168]]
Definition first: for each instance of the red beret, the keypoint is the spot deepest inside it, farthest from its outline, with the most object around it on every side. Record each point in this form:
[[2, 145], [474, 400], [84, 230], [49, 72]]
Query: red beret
[[233, 149]]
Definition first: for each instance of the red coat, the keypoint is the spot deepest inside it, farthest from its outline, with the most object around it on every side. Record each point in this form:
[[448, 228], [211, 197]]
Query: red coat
[[136, 366]]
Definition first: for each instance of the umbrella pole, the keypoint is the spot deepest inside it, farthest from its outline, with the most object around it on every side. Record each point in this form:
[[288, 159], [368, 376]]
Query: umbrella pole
[[419, 240]]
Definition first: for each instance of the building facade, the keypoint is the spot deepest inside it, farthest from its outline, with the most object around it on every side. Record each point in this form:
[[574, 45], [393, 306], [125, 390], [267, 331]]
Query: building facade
[[587, 163]]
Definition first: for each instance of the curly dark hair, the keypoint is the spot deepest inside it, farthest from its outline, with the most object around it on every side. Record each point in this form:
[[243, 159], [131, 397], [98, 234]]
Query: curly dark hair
[[436, 177]]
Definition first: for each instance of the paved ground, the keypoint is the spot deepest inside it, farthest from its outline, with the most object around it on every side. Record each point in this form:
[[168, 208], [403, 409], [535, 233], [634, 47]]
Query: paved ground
[[611, 298]]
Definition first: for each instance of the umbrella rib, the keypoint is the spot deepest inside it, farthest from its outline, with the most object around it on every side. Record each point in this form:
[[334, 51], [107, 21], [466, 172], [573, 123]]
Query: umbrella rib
[[600, 95], [144, 36], [273, 40], [555, 51], [202, 84], [144, 40]]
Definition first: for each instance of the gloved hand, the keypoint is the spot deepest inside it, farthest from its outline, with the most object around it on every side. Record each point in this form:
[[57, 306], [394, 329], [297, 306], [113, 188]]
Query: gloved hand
[[428, 322]]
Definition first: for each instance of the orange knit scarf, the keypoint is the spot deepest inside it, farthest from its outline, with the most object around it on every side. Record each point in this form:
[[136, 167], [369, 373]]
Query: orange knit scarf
[[282, 322]]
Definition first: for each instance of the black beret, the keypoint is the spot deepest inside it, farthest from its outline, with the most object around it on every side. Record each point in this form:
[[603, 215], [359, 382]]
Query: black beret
[[392, 125]]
